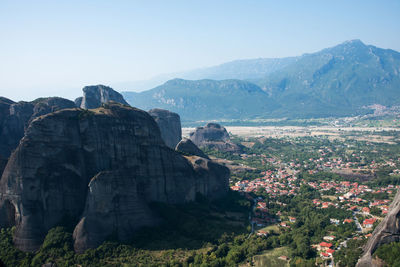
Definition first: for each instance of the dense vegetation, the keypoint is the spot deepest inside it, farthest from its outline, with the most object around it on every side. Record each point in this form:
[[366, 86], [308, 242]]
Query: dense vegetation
[[389, 253], [202, 232], [348, 256]]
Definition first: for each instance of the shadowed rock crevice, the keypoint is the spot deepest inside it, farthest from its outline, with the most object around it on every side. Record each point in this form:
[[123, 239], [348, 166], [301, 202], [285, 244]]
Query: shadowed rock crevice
[[7, 214]]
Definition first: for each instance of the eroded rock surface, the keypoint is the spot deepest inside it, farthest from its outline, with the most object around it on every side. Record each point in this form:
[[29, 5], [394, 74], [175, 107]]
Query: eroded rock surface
[[213, 136], [387, 231], [115, 205], [100, 168], [96, 95], [15, 118], [170, 126]]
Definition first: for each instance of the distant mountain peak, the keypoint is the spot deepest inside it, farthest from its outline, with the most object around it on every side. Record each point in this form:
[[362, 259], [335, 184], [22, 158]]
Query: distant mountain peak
[[335, 81], [353, 42]]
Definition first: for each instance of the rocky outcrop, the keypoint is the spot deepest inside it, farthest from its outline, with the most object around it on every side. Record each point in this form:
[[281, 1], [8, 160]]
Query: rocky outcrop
[[210, 132], [115, 200], [170, 126], [96, 95], [387, 231], [15, 118], [208, 177], [213, 136], [188, 147], [78, 101], [100, 168]]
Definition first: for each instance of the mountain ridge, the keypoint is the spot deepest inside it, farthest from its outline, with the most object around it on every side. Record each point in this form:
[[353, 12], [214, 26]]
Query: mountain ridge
[[208, 98], [338, 81]]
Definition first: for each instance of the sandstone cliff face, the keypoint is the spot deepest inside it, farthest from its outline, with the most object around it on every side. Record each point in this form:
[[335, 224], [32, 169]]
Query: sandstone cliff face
[[95, 95], [188, 147], [170, 126], [115, 205], [387, 231], [4, 115], [213, 136], [99, 167], [15, 118]]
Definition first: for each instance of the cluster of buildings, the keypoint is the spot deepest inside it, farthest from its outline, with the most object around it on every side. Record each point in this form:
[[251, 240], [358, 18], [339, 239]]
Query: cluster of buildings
[[349, 195], [342, 195]]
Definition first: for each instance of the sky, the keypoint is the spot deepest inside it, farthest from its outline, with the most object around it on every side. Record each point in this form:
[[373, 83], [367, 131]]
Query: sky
[[55, 48]]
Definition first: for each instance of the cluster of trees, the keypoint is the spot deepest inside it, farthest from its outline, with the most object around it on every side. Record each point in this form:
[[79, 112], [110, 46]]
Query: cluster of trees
[[196, 233], [320, 176], [349, 255], [389, 253]]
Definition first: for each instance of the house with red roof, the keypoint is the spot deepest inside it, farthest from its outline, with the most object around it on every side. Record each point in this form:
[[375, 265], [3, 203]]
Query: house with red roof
[[262, 205], [368, 223], [365, 210], [324, 255], [262, 233], [324, 246], [330, 251], [348, 221]]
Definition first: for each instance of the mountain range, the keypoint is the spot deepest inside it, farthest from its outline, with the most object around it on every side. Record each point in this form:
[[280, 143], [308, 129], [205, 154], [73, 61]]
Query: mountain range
[[338, 81], [206, 99]]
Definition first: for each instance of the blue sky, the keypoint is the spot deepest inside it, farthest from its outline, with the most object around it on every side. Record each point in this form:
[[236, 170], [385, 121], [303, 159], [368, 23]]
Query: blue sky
[[52, 48]]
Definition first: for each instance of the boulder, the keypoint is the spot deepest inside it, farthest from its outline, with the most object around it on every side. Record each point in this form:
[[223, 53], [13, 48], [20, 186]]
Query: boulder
[[170, 126], [96, 95], [101, 168], [188, 147]]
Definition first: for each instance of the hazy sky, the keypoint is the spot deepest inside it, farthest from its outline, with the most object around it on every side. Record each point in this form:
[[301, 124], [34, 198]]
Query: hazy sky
[[52, 48]]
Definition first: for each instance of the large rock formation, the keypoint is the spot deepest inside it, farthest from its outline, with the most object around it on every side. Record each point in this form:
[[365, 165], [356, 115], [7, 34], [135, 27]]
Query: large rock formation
[[210, 132], [95, 95], [15, 118], [387, 231], [213, 136], [188, 147], [114, 199], [100, 167], [170, 126]]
